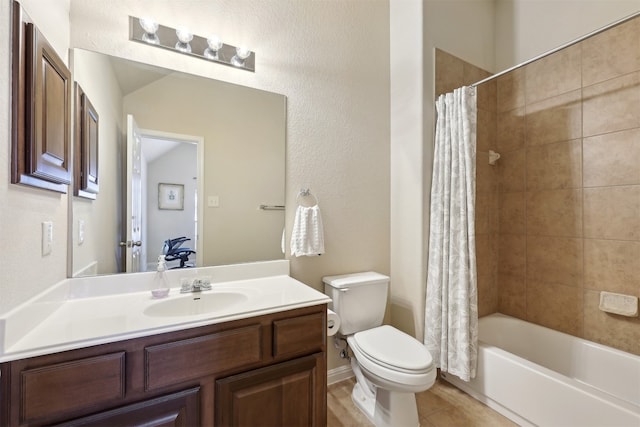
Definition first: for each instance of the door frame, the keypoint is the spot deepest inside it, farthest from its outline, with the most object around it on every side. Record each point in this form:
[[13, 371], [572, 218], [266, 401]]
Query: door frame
[[199, 141]]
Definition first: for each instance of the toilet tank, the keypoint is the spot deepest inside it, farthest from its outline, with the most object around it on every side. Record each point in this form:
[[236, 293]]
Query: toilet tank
[[360, 299]]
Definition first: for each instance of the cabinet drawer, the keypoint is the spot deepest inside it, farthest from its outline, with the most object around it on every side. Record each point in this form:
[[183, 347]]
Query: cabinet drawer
[[72, 385], [299, 335], [180, 409], [191, 359]]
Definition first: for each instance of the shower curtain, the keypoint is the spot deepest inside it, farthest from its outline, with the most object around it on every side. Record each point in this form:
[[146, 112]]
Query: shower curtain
[[451, 313]]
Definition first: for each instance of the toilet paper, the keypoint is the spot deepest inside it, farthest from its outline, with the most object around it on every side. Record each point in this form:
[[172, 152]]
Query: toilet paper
[[333, 323]]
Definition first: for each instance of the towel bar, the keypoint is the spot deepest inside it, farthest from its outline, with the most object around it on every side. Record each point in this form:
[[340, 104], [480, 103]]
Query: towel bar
[[272, 207]]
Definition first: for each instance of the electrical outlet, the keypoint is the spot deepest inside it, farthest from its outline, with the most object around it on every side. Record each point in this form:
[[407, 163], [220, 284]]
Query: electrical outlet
[[47, 237]]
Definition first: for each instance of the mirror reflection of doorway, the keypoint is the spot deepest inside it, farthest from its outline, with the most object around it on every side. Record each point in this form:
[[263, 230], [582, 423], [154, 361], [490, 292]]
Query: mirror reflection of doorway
[[170, 161], [173, 161]]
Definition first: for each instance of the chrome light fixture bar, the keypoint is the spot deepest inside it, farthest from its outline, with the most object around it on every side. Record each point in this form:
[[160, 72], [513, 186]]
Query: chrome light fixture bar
[[180, 40]]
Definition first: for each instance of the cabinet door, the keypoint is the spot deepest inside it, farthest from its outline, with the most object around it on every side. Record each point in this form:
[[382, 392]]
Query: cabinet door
[[178, 409], [86, 146], [41, 109], [291, 393]]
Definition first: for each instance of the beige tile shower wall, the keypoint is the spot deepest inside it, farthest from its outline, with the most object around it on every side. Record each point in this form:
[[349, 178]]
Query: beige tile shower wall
[[568, 129], [452, 73]]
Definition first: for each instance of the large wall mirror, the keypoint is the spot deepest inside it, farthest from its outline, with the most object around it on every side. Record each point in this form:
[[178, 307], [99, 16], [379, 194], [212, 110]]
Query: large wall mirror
[[180, 156]]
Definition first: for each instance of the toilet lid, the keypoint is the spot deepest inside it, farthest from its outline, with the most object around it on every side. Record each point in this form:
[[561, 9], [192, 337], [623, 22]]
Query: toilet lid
[[394, 349]]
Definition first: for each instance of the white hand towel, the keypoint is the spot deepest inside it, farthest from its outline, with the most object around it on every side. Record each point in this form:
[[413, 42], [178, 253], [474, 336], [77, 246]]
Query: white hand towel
[[307, 237]]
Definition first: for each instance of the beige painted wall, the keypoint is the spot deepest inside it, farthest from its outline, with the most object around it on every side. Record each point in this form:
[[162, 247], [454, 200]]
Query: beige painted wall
[[407, 171], [23, 269]]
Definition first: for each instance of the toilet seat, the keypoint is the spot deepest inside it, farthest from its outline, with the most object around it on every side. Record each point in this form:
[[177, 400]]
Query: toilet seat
[[394, 349], [398, 360]]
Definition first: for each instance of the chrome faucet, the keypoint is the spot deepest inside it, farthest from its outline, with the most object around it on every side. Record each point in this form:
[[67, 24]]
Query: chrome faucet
[[195, 285]]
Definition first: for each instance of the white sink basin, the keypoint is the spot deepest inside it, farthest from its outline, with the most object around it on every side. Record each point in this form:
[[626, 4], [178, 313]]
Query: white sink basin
[[196, 304]]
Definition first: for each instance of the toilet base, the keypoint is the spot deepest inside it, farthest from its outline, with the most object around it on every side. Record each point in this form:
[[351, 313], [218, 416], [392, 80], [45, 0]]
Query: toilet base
[[364, 403], [387, 408]]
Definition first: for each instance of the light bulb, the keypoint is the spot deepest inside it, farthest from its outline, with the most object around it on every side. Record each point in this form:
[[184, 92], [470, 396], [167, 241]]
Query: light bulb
[[148, 24], [242, 52], [184, 35], [214, 42]]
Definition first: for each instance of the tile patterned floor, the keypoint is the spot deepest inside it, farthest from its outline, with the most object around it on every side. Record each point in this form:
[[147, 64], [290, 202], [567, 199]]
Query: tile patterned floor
[[442, 405]]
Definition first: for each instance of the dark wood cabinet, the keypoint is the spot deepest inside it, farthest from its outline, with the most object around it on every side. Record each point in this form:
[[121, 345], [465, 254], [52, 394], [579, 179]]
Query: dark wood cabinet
[[265, 370], [103, 381], [85, 167], [41, 109], [175, 410], [164, 363], [279, 395]]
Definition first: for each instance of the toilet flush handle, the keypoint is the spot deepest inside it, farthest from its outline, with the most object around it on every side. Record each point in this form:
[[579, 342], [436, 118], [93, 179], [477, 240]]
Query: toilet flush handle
[[343, 289]]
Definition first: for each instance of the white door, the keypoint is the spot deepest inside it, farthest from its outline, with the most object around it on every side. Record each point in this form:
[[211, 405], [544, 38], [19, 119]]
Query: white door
[[134, 218]]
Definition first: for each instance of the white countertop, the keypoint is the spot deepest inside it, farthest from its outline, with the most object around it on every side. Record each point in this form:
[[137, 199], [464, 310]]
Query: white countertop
[[75, 322]]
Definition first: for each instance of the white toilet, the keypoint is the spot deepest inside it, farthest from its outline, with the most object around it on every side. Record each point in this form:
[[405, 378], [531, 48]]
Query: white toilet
[[390, 366]]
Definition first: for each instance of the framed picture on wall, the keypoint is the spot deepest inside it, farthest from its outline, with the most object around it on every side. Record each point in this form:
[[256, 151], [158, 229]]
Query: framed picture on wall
[[171, 196]]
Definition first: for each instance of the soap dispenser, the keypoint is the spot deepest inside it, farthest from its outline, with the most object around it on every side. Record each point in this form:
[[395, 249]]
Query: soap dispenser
[[160, 287]]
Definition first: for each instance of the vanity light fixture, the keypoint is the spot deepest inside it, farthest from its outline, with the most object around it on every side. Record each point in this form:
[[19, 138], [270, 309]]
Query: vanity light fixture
[[181, 40]]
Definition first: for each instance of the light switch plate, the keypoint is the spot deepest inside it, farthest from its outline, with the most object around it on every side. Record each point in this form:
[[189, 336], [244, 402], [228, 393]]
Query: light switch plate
[[47, 237], [213, 201], [80, 231]]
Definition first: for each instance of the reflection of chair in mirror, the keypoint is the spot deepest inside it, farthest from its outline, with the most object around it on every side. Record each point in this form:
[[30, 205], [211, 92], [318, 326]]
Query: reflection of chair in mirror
[[173, 250]]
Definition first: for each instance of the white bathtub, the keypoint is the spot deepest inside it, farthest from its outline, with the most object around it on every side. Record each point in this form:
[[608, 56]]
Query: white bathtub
[[537, 376]]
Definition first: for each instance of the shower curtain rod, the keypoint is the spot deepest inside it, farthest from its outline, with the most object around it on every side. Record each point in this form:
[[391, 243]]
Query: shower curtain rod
[[578, 40]]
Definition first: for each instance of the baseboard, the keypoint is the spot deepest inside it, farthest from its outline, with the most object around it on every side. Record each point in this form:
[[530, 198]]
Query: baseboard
[[339, 374]]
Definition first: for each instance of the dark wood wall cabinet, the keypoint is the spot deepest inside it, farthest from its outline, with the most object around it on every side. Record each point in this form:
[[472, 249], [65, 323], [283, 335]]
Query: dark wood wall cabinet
[[85, 166], [268, 370], [40, 109]]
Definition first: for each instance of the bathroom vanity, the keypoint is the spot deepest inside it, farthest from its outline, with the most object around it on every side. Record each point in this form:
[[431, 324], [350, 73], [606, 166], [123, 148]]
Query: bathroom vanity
[[259, 361]]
